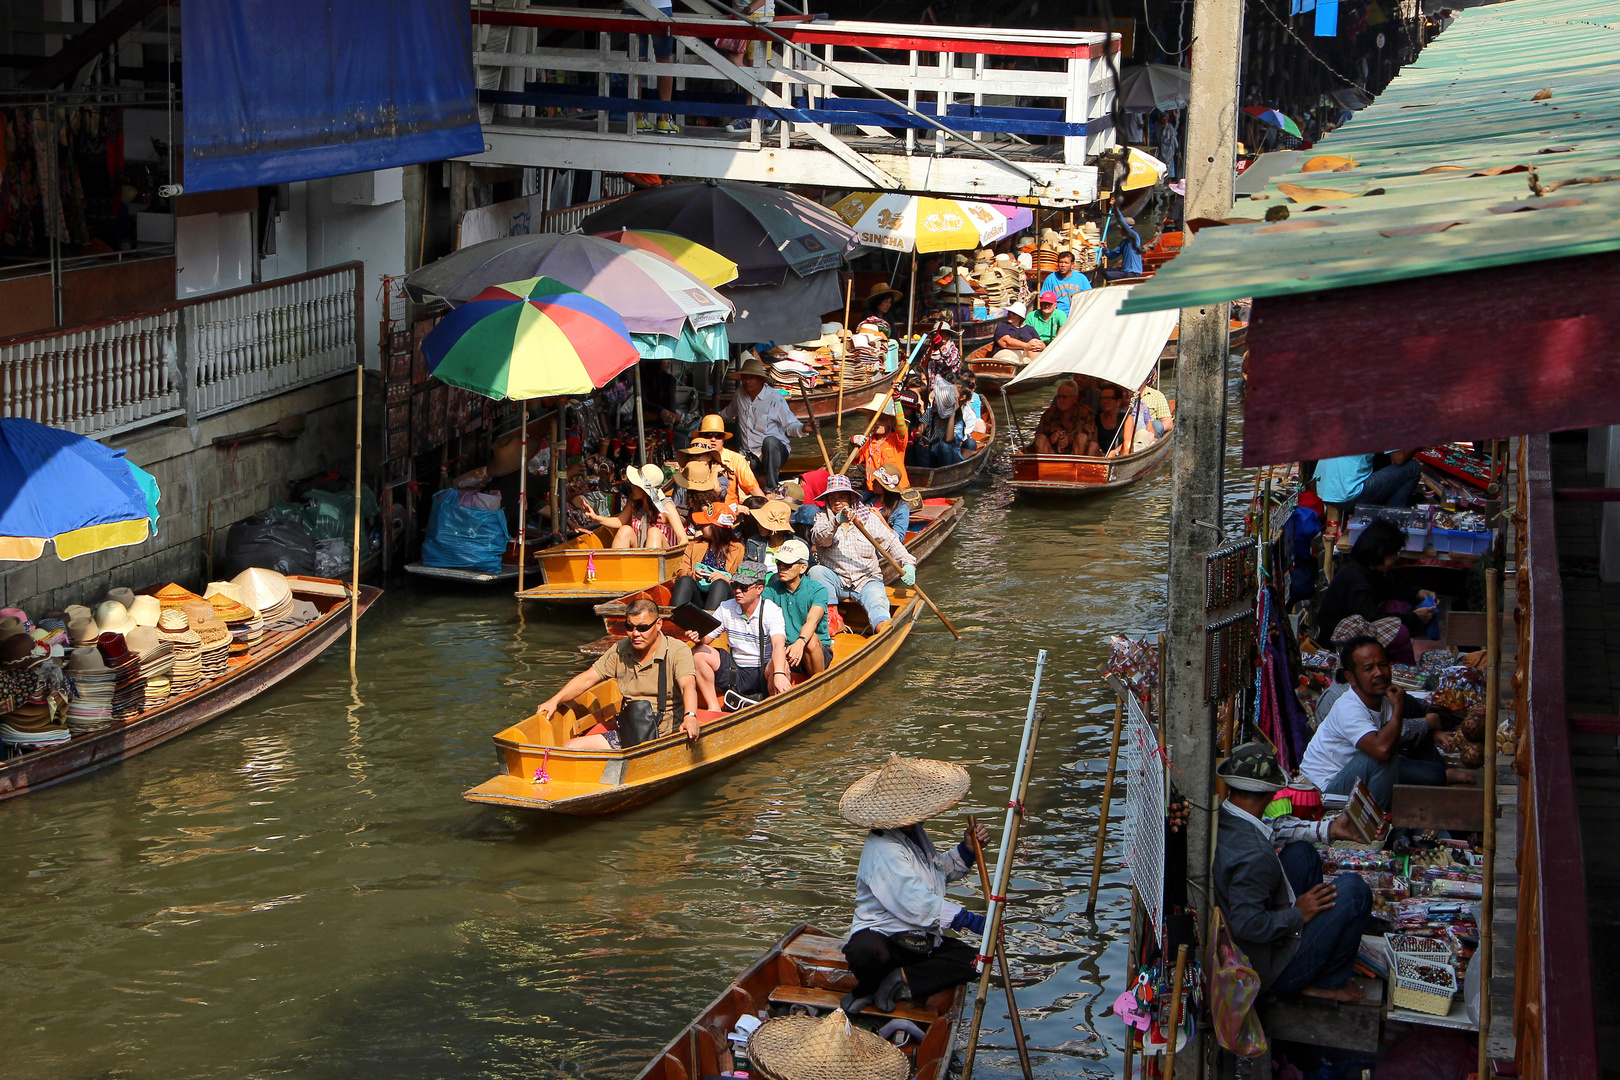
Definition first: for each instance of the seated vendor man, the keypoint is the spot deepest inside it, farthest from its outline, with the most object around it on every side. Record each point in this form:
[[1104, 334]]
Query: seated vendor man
[[804, 604], [1359, 737], [649, 668], [1046, 320], [1012, 339], [846, 562], [897, 946], [765, 420], [1300, 933]]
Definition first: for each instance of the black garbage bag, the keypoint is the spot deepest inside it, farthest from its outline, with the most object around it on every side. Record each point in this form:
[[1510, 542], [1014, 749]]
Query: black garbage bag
[[275, 539]]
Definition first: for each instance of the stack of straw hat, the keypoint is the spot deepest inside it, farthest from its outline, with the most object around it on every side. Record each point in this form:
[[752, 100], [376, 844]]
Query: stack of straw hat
[[90, 708], [129, 689], [215, 637], [173, 596], [823, 1048], [265, 591], [82, 629], [187, 672], [247, 628], [156, 658]]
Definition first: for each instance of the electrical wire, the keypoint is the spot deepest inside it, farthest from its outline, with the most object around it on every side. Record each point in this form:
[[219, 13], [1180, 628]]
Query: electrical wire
[[1289, 30]]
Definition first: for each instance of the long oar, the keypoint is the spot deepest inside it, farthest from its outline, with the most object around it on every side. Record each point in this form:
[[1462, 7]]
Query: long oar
[[1000, 953], [899, 381], [890, 559], [1009, 838], [811, 413]]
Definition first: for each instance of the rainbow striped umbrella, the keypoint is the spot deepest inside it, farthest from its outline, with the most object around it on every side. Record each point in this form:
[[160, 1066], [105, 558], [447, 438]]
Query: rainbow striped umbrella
[[68, 490], [706, 264], [529, 339]]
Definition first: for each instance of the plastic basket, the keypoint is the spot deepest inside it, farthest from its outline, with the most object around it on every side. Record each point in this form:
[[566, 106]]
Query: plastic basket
[[1410, 990], [1417, 539], [1460, 542]]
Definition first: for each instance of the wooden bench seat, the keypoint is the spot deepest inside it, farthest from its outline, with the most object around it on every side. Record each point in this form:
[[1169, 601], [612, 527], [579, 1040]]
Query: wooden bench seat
[[827, 1000]]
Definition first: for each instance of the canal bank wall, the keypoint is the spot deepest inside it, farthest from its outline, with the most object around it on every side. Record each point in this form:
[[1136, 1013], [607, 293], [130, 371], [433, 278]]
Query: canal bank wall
[[195, 473]]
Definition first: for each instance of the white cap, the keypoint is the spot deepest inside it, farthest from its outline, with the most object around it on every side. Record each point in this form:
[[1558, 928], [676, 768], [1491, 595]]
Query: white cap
[[792, 551]]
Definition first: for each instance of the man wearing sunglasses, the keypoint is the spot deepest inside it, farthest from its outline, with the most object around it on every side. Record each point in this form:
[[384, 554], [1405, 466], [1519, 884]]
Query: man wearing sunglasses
[[636, 664], [754, 662]]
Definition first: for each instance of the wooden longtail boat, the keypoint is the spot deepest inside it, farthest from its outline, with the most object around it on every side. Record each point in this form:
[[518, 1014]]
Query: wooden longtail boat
[[1072, 474], [932, 483], [279, 655], [538, 773], [465, 577], [586, 570], [824, 398], [805, 970], [932, 522]]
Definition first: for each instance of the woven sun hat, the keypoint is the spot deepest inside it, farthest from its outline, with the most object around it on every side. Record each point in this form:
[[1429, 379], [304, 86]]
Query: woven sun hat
[[792, 551], [264, 590], [774, 516], [113, 617], [172, 595], [713, 425], [173, 621], [230, 609], [1252, 767], [883, 403], [793, 492], [83, 631], [903, 792], [887, 479], [145, 610], [86, 661], [697, 475], [835, 483], [823, 1048], [11, 626], [76, 611], [753, 365], [881, 289], [145, 642], [122, 595], [649, 478]]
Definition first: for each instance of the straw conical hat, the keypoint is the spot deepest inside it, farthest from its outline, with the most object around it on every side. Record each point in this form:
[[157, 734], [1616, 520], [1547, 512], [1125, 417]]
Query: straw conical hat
[[903, 793], [825, 1048], [172, 595], [263, 590]]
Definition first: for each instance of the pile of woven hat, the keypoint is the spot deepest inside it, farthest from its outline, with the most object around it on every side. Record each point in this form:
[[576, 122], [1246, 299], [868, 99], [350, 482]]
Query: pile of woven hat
[[129, 688], [1003, 283], [214, 635], [268, 593], [32, 691], [93, 681], [246, 626]]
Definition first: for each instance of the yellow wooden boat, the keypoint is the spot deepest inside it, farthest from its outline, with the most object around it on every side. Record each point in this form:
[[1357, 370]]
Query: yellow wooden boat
[[588, 570], [539, 774]]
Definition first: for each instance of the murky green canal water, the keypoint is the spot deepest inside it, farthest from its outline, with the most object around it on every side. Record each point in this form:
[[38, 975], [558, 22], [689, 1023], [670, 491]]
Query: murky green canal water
[[299, 890]]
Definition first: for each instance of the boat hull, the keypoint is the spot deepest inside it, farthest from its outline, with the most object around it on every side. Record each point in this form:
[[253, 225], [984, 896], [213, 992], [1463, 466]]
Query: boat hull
[[824, 399], [114, 744], [592, 782], [934, 483], [1070, 475], [806, 967], [586, 571]]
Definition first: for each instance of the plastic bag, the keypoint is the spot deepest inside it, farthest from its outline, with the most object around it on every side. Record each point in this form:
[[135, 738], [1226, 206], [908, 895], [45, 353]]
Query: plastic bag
[[1233, 987], [462, 538], [273, 539], [332, 558]]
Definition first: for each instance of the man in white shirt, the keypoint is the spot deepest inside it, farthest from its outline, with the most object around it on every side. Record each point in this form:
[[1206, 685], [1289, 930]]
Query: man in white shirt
[[754, 663], [766, 422], [1359, 738]]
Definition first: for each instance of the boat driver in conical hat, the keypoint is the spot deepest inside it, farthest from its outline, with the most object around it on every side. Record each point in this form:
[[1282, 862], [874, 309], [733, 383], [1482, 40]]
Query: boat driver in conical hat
[[898, 946]]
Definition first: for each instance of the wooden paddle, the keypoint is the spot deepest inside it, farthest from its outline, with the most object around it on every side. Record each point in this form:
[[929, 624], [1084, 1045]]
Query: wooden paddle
[[811, 413], [827, 461], [1000, 951], [899, 380]]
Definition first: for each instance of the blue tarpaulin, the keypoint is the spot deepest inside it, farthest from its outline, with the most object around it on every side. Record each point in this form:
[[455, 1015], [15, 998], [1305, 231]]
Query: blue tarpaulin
[[282, 90], [1327, 18]]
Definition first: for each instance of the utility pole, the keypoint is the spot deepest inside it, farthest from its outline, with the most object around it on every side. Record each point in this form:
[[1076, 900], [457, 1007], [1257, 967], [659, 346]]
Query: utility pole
[[1197, 457]]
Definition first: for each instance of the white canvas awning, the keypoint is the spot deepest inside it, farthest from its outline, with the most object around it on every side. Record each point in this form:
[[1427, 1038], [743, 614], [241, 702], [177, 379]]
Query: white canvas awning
[[1099, 341]]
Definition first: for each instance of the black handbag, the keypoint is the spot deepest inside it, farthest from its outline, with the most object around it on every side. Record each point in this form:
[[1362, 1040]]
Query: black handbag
[[638, 721]]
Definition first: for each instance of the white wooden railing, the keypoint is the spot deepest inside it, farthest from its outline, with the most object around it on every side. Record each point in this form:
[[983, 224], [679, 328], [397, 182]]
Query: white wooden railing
[[256, 342], [192, 358]]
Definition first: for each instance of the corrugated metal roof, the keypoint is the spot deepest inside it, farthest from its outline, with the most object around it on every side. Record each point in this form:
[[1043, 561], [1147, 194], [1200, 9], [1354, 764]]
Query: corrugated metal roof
[[1469, 104]]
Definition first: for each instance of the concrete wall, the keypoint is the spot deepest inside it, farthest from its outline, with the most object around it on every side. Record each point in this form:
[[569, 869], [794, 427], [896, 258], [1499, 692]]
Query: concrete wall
[[191, 476]]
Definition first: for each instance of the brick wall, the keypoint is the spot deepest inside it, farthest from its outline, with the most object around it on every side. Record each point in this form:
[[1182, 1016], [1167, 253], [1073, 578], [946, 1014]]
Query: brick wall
[[191, 475]]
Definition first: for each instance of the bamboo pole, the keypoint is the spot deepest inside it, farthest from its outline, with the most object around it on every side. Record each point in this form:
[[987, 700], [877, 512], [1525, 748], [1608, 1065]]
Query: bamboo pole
[[1175, 1013], [1009, 837], [899, 380], [844, 335], [354, 567], [1107, 805], [811, 413], [557, 461], [1000, 953], [641, 431], [523, 492], [1493, 695]]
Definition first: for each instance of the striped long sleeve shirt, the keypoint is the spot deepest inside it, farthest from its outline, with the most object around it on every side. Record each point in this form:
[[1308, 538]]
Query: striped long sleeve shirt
[[843, 550]]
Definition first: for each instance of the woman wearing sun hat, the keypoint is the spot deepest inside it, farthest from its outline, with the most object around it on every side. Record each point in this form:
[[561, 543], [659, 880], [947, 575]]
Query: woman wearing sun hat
[[704, 576], [897, 947], [649, 518]]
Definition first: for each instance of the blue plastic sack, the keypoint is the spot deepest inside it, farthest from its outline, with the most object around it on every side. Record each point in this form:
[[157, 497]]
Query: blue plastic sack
[[461, 538]]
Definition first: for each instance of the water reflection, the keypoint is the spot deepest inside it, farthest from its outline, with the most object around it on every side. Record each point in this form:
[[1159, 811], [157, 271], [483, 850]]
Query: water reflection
[[298, 889]]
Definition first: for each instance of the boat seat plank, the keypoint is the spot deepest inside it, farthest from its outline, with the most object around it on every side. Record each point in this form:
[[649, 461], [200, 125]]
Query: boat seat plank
[[827, 1000], [818, 950]]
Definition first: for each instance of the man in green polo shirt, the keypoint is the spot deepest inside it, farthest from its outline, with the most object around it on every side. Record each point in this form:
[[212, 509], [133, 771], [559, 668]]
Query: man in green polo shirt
[[1046, 320], [803, 601]]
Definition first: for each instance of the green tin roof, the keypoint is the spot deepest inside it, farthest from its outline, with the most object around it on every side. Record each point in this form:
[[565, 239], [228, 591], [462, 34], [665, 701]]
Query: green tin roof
[[1468, 101]]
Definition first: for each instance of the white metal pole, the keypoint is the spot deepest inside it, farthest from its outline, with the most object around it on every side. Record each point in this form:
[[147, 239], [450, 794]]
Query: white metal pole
[[1013, 808]]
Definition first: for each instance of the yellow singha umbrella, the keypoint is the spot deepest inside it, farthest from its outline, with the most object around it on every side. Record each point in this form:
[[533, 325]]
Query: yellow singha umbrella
[[920, 223]]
